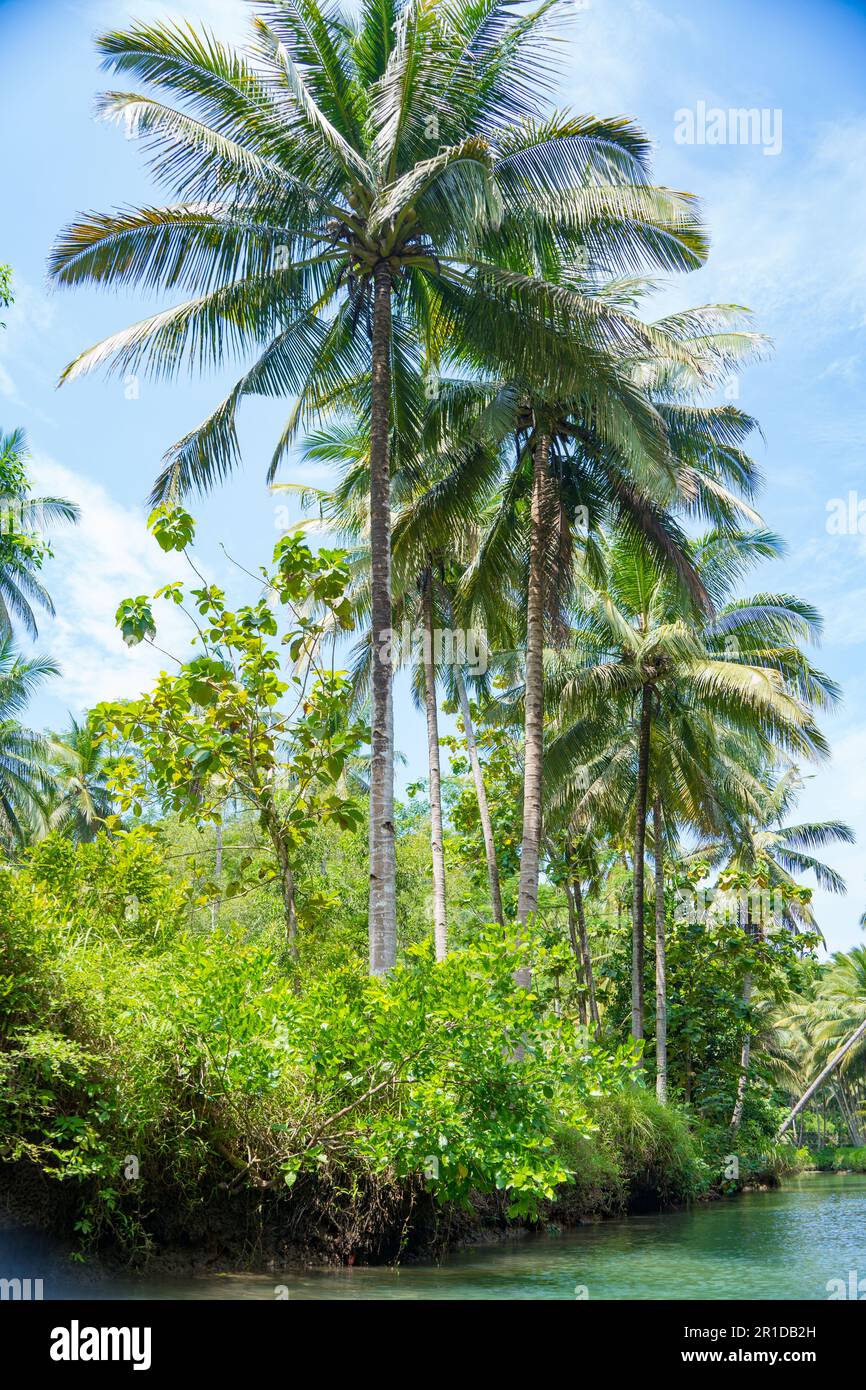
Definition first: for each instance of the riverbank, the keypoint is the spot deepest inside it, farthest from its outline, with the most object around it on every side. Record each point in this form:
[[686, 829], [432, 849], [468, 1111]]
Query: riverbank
[[172, 1099], [640, 1157]]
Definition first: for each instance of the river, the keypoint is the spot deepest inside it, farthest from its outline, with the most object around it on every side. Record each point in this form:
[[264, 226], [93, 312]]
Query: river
[[785, 1244]]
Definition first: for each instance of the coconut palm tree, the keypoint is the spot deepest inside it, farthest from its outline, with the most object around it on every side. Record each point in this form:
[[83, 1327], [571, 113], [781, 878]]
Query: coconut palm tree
[[22, 547], [82, 796], [560, 478], [347, 192], [769, 848], [644, 659], [25, 780], [831, 1030], [423, 585]]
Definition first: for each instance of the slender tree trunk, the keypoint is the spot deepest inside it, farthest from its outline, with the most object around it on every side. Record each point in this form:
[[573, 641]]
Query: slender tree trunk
[[481, 796], [575, 946], [440, 924], [527, 895], [854, 1135], [286, 877], [383, 870], [583, 939], [822, 1076], [218, 873], [745, 1058], [756, 933], [583, 936], [637, 932], [661, 958]]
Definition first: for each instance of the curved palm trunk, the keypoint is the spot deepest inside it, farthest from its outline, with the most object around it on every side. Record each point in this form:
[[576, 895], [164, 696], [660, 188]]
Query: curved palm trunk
[[527, 895], [440, 925], [481, 797], [383, 895], [661, 959], [637, 932], [823, 1075]]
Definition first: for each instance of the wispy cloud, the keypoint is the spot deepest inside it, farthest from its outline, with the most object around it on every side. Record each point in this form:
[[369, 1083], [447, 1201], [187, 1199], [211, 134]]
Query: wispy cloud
[[109, 556]]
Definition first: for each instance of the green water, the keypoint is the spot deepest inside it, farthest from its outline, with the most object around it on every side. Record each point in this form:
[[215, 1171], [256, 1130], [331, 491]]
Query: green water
[[764, 1245]]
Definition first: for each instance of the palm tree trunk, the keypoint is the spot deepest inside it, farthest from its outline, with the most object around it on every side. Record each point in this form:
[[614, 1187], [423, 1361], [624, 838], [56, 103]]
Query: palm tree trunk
[[481, 797], [440, 924], [637, 933], [822, 1076], [583, 937], [575, 946], [745, 1058], [383, 869], [583, 941], [755, 932], [661, 959], [854, 1135], [527, 894]]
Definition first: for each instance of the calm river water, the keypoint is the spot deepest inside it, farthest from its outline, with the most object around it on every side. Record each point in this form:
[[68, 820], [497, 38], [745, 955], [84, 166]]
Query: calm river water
[[765, 1245]]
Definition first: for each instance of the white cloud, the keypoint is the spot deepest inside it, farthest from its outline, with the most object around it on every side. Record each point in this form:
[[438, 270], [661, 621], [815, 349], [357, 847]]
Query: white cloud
[[107, 557], [7, 385], [848, 369]]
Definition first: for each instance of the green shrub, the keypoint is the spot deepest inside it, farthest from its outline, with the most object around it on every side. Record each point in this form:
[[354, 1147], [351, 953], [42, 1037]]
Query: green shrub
[[637, 1149], [193, 1054]]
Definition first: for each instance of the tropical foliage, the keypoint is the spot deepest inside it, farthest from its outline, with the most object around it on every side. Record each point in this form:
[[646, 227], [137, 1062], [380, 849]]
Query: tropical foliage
[[601, 888]]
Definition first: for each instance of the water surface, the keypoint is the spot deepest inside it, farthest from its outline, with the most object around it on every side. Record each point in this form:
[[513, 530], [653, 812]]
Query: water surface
[[785, 1244]]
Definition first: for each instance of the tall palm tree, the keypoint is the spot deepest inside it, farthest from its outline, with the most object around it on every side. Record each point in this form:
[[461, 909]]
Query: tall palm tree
[[421, 606], [767, 845], [22, 547], [647, 660], [25, 781], [561, 476], [348, 191]]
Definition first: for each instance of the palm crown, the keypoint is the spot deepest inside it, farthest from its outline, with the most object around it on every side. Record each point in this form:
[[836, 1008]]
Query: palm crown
[[353, 197]]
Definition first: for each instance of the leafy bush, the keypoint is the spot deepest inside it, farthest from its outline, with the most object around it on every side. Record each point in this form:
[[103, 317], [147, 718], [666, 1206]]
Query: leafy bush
[[194, 1055]]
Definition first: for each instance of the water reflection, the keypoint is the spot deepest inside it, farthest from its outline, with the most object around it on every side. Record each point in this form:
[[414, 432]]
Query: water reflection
[[776, 1245]]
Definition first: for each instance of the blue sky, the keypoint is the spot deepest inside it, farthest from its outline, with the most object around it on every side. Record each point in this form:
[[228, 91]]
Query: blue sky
[[787, 240]]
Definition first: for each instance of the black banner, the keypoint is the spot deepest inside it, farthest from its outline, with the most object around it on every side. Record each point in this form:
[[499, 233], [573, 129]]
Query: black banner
[[138, 1337]]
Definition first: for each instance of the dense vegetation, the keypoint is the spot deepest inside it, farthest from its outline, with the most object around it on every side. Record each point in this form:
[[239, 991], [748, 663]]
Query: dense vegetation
[[575, 967]]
